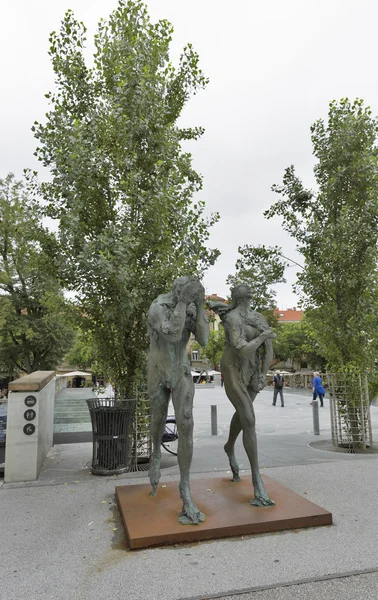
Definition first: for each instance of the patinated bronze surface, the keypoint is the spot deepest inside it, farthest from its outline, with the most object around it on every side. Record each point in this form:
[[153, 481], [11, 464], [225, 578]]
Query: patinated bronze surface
[[247, 356], [172, 317]]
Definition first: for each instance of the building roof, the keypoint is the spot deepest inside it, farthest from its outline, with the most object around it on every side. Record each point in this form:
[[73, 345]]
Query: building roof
[[216, 298], [291, 315], [77, 374]]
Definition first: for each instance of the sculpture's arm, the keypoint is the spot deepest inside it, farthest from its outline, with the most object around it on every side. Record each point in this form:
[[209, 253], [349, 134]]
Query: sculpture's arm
[[245, 349], [266, 362], [268, 356], [201, 325], [170, 327], [250, 348], [220, 308], [267, 345]]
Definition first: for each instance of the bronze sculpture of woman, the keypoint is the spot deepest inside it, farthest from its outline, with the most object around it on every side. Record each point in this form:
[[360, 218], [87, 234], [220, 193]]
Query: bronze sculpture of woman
[[247, 334]]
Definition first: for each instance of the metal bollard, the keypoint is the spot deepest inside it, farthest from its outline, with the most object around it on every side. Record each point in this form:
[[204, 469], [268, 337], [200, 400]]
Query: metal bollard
[[315, 417], [214, 420]]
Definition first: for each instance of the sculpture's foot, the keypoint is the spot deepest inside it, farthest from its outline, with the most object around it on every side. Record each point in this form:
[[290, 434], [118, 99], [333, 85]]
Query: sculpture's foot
[[262, 499], [190, 515], [154, 475], [232, 461]]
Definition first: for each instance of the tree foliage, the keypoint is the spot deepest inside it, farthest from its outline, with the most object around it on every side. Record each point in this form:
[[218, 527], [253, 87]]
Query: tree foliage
[[34, 331], [289, 341], [82, 353], [214, 347], [295, 341], [261, 267], [121, 185], [336, 229]]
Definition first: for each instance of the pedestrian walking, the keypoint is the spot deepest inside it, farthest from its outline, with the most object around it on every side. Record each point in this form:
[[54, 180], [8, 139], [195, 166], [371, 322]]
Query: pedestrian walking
[[278, 383], [222, 380], [317, 388]]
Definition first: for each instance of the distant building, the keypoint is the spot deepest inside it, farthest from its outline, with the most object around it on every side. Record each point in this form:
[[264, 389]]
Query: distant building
[[291, 315], [195, 359], [214, 319], [215, 298]]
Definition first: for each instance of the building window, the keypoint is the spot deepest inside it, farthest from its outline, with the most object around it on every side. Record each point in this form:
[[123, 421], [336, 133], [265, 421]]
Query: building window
[[194, 354]]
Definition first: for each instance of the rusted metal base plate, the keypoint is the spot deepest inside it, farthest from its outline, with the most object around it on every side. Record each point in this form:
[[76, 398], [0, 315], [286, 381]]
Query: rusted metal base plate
[[153, 521]]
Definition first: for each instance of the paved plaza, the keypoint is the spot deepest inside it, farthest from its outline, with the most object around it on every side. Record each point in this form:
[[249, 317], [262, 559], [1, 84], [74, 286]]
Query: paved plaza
[[61, 537]]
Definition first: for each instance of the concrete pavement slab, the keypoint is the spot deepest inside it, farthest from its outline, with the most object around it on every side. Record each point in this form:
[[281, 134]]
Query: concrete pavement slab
[[65, 541], [67, 463], [283, 438], [358, 587]]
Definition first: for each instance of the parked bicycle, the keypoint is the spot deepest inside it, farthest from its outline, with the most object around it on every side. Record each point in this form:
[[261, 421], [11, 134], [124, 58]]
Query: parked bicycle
[[170, 436]]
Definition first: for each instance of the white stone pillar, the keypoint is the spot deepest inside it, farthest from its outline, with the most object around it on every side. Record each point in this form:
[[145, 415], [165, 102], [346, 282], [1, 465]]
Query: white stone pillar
[[30, 425]]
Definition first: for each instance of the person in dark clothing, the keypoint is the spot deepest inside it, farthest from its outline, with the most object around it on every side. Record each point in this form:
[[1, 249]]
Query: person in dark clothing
[[278, 383]]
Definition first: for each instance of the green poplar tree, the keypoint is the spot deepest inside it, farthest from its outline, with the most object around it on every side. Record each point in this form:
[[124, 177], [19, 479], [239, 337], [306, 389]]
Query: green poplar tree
[[336, 229], [122, 187]]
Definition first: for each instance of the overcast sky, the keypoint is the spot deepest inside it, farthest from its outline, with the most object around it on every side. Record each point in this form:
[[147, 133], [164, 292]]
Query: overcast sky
[[273, 68]]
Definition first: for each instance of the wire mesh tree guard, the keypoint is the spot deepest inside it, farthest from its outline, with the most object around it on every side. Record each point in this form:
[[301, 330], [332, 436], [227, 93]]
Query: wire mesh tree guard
[[142, 443], [350, 411]]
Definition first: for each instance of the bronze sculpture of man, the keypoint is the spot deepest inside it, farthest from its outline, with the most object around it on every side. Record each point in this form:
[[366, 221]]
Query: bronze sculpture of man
[[172, 317]]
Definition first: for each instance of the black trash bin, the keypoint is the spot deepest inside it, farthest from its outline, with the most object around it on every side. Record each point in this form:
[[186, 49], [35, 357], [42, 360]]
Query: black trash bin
[[112, 426]]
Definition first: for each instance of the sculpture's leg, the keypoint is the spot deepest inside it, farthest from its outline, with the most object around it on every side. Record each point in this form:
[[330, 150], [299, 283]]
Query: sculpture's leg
[[242, 399], [229, 447], [250, 443], [182, 397], [159, 397]]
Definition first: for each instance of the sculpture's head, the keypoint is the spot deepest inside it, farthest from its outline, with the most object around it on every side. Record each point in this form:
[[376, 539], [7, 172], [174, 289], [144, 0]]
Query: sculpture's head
[[188, 288], [244, 292], [240, 292]]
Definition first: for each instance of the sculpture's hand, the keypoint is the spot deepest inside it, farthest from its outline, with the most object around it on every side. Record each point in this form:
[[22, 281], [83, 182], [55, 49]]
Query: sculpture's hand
[[222, 311], [192, 291], [219, 308], [191, 311], [199, 298], [268, 334]]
